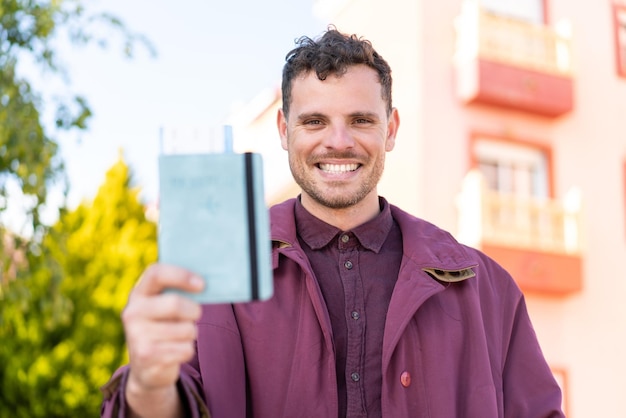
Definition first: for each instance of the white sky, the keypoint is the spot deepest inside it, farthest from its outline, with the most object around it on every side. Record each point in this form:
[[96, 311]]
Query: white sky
[[210, 56]]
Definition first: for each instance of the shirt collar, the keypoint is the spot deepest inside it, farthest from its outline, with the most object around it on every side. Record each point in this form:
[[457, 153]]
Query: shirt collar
[[317, 233]]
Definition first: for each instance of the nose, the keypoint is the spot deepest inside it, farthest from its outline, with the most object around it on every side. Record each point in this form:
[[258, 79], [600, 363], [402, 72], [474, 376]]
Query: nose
[[339, 137]]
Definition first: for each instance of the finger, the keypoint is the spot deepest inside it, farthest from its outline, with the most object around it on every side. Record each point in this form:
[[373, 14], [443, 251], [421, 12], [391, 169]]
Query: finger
[[158, 332], [163, 307], [159, 277], [175, 353]]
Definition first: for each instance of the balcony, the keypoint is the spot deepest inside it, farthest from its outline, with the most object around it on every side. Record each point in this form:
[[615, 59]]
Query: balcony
[[510, 63], [536, 240]]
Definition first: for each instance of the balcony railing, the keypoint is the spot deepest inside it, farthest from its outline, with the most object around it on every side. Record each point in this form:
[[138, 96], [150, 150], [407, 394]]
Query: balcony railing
[[489, 217], [498, 38]]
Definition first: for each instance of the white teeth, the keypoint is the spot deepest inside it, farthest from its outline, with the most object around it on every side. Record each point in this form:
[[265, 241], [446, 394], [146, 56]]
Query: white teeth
[[338, 168]]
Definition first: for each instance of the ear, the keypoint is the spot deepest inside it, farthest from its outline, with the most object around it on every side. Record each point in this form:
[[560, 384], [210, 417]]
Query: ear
[[281, 123], [392, 129]]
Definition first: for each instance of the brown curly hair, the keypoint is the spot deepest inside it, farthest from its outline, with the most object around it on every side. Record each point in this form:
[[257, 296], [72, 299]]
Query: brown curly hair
[[332, 54]]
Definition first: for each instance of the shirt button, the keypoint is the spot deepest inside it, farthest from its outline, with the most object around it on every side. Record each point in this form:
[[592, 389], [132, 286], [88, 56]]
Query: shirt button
[[355, 315], [345, 238], [348, 265], [355, 377], [405, 379]]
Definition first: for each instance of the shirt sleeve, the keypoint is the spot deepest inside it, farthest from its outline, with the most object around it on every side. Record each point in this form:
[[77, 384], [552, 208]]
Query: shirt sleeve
[[114, 402]]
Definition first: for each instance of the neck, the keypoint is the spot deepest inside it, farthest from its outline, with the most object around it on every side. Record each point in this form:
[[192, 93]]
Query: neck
[[344, 218]]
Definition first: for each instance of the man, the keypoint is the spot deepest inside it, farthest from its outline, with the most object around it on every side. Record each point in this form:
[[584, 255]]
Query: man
[[375, 312]]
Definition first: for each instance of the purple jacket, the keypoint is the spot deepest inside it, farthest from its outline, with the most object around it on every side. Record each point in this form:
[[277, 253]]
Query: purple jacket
[[455, 344]]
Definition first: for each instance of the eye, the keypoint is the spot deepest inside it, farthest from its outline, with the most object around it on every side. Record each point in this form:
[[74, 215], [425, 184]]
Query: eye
[[361, 121], [313, 123]]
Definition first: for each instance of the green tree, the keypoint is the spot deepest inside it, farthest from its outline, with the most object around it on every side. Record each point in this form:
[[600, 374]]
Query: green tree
[[60, 327], [30, 31]]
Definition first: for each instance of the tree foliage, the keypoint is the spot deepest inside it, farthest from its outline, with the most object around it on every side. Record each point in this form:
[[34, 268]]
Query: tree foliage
[[60, 326], [30, 31], [60, 332]]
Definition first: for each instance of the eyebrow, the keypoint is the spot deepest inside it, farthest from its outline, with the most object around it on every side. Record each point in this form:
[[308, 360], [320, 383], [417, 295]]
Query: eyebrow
[[314, 115], [369, 115]]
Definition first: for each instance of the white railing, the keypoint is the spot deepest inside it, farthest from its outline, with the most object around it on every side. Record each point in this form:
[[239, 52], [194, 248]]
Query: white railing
[[484, 34], [485, 216]]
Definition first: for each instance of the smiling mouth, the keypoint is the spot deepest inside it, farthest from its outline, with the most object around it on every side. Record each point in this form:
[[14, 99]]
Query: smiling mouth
[[338, 168]]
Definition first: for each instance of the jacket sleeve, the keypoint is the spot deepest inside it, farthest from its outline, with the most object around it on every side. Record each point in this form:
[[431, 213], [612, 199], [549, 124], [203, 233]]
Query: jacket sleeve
[[529, 387], [114, 402]]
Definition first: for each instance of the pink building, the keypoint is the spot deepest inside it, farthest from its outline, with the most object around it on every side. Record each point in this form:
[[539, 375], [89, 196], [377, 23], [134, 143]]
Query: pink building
[[513, 137]]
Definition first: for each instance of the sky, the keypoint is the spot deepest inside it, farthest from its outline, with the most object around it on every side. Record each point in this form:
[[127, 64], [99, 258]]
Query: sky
[[210, 56]]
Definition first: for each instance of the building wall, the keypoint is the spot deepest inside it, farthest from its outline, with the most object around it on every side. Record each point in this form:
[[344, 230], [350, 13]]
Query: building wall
[[587, 332]]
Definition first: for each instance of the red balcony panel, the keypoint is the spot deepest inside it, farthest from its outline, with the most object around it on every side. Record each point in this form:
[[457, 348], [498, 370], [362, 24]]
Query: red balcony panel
[[506, 85], [536, 272]]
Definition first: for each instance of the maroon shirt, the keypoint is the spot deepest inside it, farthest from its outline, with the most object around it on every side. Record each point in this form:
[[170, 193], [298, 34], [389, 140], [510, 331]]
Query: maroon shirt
[[356, 271]]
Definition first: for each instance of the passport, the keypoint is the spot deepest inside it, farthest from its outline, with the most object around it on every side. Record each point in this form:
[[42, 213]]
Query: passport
[[213, 220]]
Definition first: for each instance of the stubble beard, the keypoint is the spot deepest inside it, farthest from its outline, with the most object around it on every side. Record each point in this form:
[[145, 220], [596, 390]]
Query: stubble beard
[[335, 195]]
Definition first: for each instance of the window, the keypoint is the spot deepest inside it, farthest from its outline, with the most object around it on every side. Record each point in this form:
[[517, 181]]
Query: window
[[619, 23], [624, 180], [528, 10], [517, 206], [513, 168]]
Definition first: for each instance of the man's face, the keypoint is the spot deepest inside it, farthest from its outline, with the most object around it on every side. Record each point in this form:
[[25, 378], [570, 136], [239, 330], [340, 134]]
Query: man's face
[[337, 135]]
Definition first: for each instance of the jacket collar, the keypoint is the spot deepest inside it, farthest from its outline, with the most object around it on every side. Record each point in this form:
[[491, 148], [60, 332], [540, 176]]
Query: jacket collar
[[433, 250], [427, 246]]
